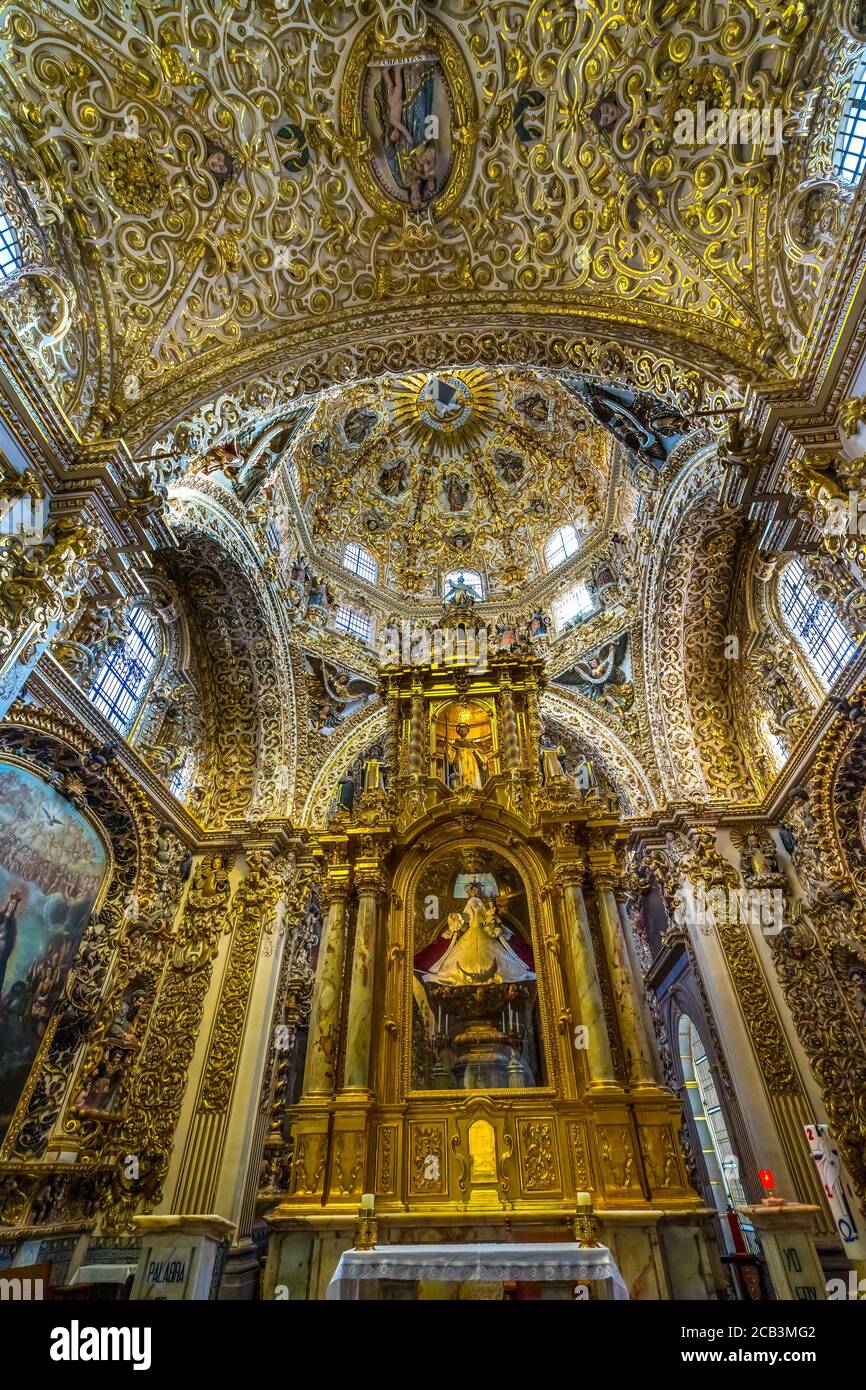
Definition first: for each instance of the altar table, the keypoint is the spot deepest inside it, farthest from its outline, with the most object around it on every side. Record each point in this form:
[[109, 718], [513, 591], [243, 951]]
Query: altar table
[[559, 1260]]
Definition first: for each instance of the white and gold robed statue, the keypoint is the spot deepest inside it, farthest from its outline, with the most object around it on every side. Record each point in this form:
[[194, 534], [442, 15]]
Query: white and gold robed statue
[[478, 953]]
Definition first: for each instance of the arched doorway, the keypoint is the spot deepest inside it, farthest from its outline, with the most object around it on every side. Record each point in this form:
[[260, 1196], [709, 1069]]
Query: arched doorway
[[710, 1129]]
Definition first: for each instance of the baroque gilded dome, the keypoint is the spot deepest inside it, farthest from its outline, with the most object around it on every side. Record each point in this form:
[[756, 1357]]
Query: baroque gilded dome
[[464, 467]]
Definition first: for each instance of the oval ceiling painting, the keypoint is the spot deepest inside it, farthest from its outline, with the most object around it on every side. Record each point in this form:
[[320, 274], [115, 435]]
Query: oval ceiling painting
[[408, 111]]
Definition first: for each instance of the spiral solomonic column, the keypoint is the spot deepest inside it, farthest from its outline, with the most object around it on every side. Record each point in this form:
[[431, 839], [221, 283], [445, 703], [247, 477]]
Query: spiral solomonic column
[[416, 735], [510, 743]]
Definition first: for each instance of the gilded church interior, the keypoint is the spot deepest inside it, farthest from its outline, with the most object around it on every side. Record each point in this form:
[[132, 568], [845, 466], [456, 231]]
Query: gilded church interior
[[432, 705]]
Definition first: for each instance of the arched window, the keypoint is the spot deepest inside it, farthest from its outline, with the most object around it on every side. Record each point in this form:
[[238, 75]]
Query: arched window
[[353, 623], [459, 581], [359, 561], [813, 621], [849, 153], [10, 249], [122, 680], [181, 778], [559, 546], [573, 606]]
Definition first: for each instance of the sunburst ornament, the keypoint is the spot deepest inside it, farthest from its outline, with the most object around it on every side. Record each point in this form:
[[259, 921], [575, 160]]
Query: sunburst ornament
[[445, 411]]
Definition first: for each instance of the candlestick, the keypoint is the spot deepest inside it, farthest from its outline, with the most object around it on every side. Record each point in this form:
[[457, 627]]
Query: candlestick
[[585, 1222], [366, 1229]]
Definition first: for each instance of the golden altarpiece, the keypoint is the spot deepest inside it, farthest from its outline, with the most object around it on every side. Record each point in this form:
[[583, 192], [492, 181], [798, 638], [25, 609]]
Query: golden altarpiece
[[478, 1050]]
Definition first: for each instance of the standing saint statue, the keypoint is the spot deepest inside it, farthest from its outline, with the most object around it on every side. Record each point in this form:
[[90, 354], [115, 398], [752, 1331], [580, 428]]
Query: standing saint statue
[[551, 763], [584, 776], [469, 762]]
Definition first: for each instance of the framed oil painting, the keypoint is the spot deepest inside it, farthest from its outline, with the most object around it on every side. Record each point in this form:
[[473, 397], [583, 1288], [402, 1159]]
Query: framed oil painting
[[408, 118], [52, 865]]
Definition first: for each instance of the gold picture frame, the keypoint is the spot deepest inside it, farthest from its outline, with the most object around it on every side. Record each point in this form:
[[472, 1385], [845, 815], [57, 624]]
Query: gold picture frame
[[464, 110]]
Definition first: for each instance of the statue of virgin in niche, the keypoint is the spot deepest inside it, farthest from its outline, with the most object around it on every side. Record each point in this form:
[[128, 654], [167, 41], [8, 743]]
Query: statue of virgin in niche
[[478, 953]]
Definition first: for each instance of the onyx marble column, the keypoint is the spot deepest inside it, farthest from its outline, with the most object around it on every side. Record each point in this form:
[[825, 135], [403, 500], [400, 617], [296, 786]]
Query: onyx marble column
[[626, 1001], [590, 1002], [359, 1027], [321, 1064]]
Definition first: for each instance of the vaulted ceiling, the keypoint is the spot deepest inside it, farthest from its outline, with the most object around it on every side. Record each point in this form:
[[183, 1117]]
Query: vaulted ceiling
[[245, 191]]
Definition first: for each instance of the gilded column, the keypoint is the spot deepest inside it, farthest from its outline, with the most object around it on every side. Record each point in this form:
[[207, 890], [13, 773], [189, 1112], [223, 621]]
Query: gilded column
[[533, 729], [626, 1000], [359, 1028], [637, 976], [416, 735], [590, 1002], [510, 744], [392, 735], [321, 1064]]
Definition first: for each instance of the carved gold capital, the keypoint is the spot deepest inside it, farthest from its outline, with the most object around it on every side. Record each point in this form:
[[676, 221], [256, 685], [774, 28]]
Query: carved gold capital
[[571, 875], [606, 880], [335, 890]]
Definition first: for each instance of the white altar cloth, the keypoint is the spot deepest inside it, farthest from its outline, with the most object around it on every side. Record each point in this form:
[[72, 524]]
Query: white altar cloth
[[547, 1261]]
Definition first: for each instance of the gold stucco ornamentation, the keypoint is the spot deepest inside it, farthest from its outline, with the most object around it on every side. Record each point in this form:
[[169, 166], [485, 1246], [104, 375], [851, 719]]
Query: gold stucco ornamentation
[[133, 175]]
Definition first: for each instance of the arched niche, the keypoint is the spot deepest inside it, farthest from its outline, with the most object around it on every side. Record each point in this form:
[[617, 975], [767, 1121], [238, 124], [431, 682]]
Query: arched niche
[[463, 744], [477, 1008]]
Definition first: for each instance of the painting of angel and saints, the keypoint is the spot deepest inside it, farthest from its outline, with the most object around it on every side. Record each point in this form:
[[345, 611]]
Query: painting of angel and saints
[[475, 1005], [52, 863], [407, 113]]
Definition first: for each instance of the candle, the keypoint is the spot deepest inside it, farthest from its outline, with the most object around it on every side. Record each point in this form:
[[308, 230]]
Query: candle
[[584, 1199], [367, 1201]]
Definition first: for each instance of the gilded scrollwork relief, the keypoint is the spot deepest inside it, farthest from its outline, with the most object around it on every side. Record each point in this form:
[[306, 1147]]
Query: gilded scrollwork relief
[[253, 911], [161, 1076], [689, 685]]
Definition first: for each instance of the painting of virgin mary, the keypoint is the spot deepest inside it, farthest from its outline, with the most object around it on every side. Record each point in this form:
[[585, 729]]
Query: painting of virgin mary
[[408, 115]]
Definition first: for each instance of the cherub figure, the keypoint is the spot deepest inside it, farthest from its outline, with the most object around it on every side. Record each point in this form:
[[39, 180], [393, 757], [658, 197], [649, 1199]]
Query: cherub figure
[[394, 96]]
